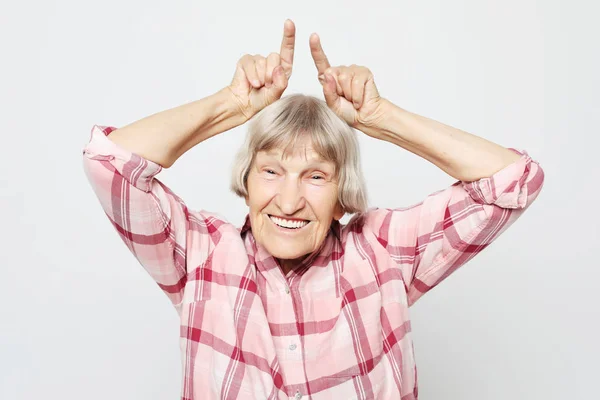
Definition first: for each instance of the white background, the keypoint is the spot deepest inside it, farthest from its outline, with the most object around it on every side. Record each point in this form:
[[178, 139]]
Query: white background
[[80, 319]]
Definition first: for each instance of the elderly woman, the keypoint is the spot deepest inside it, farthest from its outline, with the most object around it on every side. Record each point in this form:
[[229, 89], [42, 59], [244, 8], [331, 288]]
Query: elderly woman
[[294, 304]]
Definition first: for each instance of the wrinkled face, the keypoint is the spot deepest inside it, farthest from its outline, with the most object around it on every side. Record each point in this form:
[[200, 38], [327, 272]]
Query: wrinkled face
[[292, 201]]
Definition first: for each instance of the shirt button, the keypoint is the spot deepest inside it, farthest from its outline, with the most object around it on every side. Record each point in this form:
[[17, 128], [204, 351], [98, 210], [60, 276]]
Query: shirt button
[[298, 396], [292, 347], [287, 290]]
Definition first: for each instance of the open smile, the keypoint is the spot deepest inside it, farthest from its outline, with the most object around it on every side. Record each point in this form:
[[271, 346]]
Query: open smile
[[288, 225]]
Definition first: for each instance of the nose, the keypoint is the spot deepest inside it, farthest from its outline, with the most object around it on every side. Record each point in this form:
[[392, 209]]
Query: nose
[[291, 198]]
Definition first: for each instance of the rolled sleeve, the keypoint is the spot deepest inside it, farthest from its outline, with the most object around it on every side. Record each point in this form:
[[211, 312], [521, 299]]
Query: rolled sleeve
[[511, 187], [138, 171]]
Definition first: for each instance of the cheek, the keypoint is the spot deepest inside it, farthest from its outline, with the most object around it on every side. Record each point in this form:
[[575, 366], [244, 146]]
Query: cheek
[[260, 194], [322, 199]]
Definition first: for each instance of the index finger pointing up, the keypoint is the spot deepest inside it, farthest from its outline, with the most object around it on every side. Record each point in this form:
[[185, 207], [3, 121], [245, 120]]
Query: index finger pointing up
[[287, 46], [318, 54]]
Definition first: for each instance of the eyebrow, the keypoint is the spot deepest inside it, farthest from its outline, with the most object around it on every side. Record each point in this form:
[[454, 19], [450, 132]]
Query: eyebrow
[[312, 164]]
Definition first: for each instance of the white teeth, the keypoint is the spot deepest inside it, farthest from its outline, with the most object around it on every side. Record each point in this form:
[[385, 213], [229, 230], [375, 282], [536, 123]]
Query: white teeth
[[287, 223]]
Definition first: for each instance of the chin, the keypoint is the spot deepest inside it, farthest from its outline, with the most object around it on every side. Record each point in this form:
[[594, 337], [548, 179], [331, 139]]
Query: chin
[[286, 254]]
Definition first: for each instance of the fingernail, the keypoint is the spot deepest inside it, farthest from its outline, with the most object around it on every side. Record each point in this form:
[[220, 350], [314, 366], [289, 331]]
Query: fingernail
[[256, 83]]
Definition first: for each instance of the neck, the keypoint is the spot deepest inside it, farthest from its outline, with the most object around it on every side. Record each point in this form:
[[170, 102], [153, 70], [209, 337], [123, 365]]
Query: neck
[[289, 265]]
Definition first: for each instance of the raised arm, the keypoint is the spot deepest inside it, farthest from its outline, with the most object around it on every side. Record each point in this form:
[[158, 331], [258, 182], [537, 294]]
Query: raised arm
[[258, 81], [430, 240], [165, 136], [121, 166], [350, 91]]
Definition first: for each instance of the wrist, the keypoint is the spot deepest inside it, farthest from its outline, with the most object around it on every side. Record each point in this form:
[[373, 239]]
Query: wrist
[[217, 113], [236, 106], [380, 122]]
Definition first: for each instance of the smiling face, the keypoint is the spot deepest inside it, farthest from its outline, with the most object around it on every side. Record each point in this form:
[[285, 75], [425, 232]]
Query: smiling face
[[293, 198]]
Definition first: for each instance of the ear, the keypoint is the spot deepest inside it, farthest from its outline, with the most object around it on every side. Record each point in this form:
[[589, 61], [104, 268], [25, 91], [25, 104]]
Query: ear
[[247, 200], [338, 212]]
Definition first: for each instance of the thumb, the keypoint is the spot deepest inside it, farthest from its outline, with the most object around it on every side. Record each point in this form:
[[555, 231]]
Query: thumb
[[330, 90]]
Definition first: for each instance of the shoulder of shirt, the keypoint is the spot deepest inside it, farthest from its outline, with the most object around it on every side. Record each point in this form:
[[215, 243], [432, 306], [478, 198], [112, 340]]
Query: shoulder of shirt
[[357, 222]]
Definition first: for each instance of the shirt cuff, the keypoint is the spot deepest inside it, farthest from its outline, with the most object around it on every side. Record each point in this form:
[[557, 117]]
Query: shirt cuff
[[506, 188], [137, 170]]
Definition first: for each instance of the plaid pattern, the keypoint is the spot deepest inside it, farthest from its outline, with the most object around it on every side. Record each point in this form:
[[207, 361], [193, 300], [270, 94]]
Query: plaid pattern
[[336, 328]]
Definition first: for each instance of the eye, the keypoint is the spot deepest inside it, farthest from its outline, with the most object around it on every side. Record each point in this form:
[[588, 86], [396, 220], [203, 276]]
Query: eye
[[317, 176], [270, 172]]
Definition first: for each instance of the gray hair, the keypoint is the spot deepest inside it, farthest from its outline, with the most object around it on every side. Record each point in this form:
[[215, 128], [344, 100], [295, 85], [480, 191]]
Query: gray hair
[[296, 117]]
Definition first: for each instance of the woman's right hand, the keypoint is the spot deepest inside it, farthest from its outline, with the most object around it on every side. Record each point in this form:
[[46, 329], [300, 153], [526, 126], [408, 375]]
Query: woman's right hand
[[260, 81]]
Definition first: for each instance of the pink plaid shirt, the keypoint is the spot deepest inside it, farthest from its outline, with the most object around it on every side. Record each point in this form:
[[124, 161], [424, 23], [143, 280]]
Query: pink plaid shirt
[[336, 328]]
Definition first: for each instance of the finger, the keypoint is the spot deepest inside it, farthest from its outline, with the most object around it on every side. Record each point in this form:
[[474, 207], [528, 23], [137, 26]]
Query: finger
[[279, 85], [273, 60], [318, 55], [261, 66], [329, 90], [287, 46], [358, 90], [345, 79], [249, 68]]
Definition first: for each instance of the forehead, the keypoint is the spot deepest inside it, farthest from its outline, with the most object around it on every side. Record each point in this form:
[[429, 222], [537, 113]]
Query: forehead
[[301, 150], [304, 154]]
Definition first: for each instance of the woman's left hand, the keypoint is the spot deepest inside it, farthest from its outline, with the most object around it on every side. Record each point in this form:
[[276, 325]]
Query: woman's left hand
[[349, 91]]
